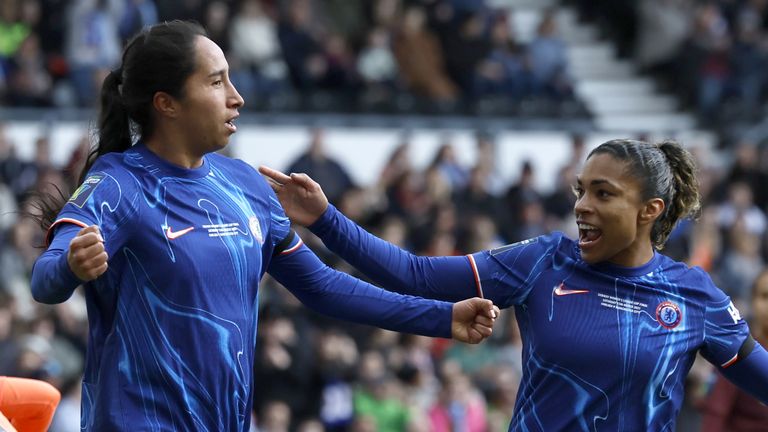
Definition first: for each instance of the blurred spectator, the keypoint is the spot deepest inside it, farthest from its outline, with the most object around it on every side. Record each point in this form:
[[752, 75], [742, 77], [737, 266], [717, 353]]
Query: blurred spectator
[[741, 263], [708, 51], [137, 15], [336, 360], [459, 407], [29, 82], [316, 163], [93, 45], [503, 71], [217, 18], [466, 45], [377, 66], [548, 62], [662, 29], [376, 396], [448, 165], [301, 46], [420, 59], [727, 408], [517, 198], [740, 207], [13, 30], [258, 67]]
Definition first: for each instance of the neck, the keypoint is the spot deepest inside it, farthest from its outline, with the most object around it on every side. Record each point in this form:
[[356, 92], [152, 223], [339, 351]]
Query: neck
[[174, 148], [635, 256]]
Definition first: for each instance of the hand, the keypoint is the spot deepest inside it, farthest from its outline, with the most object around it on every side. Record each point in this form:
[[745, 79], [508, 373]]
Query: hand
[[86, 256], [473, 320], [301, 197]]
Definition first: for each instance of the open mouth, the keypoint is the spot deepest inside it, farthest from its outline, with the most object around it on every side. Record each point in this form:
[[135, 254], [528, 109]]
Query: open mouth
[[588, 234], [231, 124]]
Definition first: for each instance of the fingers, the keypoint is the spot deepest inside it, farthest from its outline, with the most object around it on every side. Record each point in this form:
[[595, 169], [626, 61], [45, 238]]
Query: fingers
[[484, 320], [86, 256], [274, 175], [474, 336], [304, 181], [484, 331], [274, 185], [488, 309]]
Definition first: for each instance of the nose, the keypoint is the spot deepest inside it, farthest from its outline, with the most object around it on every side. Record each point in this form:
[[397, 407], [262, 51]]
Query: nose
[[582, 206], [235, 100]]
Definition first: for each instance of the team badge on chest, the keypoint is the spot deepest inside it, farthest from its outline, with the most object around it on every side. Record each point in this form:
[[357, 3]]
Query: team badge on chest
[[668, 314], [253, 223]]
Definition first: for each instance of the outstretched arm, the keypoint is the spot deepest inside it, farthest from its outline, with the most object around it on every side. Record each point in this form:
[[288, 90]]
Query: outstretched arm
[[341, 296], [751, 373], [445, 278]]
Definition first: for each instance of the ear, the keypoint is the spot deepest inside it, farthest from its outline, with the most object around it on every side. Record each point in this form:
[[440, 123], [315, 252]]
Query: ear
[[652, 209], [165, 104]]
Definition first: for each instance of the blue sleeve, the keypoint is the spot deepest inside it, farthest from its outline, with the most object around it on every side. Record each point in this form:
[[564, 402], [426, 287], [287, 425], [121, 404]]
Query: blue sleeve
[[508, 274], [751, 373], [341, 296], [444, 278], [725, 331], [108, 198], [52, 279]]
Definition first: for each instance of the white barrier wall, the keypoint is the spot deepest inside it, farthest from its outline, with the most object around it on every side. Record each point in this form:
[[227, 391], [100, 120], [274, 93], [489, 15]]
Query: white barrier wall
[[363, 151]]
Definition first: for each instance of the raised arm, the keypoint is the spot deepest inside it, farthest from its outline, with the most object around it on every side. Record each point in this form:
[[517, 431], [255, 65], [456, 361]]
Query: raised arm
[[339, 295], [445, 278]]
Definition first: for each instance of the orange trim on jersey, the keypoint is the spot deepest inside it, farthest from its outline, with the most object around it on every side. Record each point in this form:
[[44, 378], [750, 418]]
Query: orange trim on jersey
[[473, 264], [293, 249], [730, 362], [59, 221]]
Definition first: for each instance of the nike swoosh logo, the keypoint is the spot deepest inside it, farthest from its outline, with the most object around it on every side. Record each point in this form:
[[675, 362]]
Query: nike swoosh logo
[[174, 235], [562, 291]]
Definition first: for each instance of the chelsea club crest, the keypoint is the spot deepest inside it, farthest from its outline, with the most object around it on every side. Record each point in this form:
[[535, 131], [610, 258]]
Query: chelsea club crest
[[668, 315]]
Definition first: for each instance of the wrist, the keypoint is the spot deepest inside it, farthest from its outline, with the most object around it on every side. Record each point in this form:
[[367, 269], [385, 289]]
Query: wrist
[[323, 220]]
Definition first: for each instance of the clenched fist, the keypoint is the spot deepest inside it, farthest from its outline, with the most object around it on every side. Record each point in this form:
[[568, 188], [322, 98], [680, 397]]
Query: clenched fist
[[473, 320], [87, 257]]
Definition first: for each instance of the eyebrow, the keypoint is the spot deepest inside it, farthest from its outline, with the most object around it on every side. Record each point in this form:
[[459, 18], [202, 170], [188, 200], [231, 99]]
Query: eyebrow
[[219, 72], [597, 182]]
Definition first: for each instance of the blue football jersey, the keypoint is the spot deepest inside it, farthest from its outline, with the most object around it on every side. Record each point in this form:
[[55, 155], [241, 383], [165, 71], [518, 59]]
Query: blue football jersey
[[606, 348], [173, 320]]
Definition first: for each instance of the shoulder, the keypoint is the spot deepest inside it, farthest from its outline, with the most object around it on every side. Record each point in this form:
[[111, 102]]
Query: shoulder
[[235, 167], [111, 171], [552, 242], [694, 278]]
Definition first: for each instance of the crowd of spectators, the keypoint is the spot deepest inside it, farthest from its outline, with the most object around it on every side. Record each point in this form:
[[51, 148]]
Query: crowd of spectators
[[711, 53], [314, 373], [443, 56]]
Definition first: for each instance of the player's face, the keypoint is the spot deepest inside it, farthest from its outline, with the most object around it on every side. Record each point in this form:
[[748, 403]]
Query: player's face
[[607, 208], [210, 103], [760, 304]]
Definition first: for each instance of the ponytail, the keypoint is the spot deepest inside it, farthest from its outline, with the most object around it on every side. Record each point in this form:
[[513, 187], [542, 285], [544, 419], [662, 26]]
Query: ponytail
[[114, 124], [114, 136], [685, 199]]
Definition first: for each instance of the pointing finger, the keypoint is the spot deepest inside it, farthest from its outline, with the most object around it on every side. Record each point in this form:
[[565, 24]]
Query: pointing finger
[[274, 174]]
